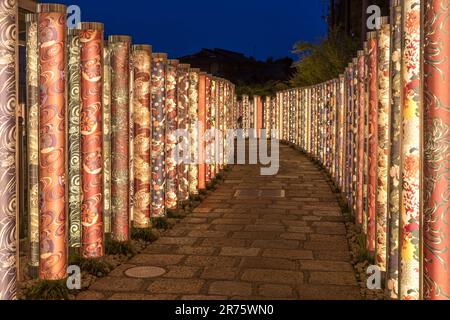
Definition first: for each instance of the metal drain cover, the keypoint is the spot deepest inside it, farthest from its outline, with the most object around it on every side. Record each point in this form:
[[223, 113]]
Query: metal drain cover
[[145, 272]]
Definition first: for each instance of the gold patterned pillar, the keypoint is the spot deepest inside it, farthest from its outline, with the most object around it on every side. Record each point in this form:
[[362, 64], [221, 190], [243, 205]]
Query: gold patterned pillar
[[33, 137]]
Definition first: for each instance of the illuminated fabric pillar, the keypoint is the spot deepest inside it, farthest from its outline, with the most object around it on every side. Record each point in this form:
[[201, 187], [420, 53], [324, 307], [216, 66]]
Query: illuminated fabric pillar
[[394, 156], [411, 152], [221, 121], [158, 91], [201, 133], [384, 55], [246, 114], [106, 139], [193, 130], [74, 136], [341, 132], [355, 114], [259, 116], [171, 138], [183, 124], [360, 136], [226, 124], [33, 137], [91, 144], [141, 57], [213, 126], [373, 137], [267, 115], [208, 138], [366, 140], [120, 50], [8, 174], [436, 228], [52, 144]]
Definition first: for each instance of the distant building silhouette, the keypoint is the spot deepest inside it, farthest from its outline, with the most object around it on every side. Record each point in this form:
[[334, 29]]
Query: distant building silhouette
[[238, 68]]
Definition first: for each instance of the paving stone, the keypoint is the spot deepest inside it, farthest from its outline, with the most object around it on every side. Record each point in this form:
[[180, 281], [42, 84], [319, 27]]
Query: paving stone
[[328, 292], [157, 259], [230, 288], [276, 291], [267, 263], [176, 240], [176, 286], [336, 278], [117, 284], [190, 250], [288, 254], [208, 261], [90, 296], [239, 252], [326, 245], [321, 265], [276, 244], [142, 297], [181, 272], [219, 273], [272, 276]]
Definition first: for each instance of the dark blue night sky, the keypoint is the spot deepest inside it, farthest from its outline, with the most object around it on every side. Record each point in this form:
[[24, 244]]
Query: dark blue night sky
[[259, 28]]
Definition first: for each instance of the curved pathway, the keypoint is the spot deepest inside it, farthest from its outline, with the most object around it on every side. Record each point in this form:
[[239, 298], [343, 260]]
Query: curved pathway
[[255, 237]]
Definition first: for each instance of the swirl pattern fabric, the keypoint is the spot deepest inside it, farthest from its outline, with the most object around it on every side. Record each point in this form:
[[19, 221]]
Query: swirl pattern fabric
[[142, 135], [8, 174], [91, 128], [74, 183], [120, 96], [52, 144]]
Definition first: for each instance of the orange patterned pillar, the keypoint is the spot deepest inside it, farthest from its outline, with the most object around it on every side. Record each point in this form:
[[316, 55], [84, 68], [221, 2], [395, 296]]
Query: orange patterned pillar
[[436, 260], [52, 146], [120, 97], [142, 131], [91, 146]]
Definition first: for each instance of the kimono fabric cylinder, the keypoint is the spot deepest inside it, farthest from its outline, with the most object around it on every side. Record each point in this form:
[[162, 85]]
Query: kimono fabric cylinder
[[171, 138], [394, 153], [201, 133], [208, 137], [361, 106], [259, 117], [141, 57], [74, 103], [106, 138], [158, 100], [52, 143], [384, 55], [33, 137], [193, 130], [213, 127], [8, 174], [436, 228], [373, 137], [91, 145], [411, 152], [183, 124], [120, 96]]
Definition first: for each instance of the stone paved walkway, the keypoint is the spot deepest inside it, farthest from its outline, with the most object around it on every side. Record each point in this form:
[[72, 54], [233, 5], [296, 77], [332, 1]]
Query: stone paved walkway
[[255, 237]]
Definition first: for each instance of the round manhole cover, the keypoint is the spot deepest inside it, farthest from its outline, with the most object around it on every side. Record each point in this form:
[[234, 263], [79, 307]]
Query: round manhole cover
[[145, 272]]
